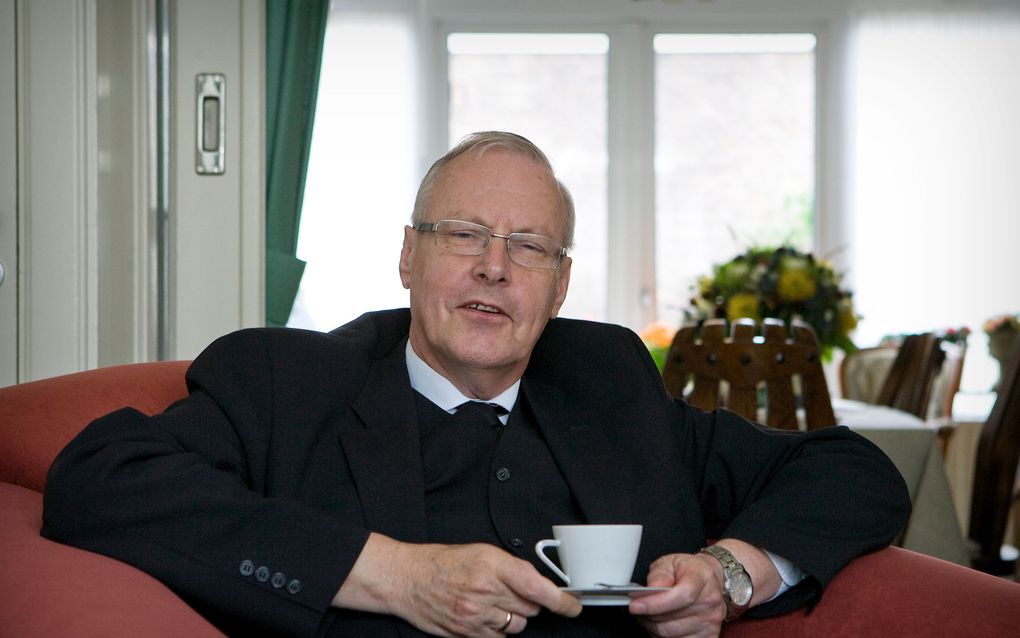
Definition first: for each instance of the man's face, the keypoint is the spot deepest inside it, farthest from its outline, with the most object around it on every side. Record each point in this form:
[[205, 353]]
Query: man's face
[[475, 319]]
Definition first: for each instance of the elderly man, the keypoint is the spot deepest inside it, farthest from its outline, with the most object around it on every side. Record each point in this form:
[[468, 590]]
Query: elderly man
[[393, 476]]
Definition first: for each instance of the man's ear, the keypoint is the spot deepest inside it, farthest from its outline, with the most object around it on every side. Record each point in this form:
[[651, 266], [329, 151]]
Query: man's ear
[[405, 257], [562, 283]]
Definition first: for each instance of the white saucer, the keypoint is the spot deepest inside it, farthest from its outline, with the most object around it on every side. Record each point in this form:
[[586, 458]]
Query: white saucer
[[610, 596]]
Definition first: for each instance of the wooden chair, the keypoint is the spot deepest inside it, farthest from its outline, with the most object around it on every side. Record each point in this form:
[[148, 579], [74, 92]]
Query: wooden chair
[[995, 474], [720, 371], [909, 383], [863, 372]]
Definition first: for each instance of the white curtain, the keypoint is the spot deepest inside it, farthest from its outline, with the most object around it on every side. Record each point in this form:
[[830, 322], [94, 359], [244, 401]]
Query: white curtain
[[935, 165]]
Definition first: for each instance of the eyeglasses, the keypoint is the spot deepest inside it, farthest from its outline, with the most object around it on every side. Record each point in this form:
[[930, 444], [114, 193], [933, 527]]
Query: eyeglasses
[[525, 249]]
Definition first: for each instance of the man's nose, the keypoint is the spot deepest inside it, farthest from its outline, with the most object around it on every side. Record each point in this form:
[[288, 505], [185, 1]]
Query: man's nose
[[494, 262]]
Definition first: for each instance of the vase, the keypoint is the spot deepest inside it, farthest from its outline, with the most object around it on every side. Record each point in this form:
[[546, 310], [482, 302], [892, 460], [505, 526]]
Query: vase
[[1000, 345]]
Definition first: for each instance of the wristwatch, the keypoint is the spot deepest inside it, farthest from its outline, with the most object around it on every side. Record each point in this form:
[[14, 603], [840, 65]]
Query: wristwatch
[[737, 587]]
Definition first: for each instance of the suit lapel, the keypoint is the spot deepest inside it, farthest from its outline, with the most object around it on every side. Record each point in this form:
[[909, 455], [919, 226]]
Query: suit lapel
[[583, 453], [384, 452]]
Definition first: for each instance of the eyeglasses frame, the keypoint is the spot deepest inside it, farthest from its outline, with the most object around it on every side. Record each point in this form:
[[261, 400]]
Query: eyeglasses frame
[[434, 228]]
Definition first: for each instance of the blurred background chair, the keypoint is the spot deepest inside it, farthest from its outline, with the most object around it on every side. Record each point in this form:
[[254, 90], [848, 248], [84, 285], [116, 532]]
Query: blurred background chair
[[921, 376], [909, 383], [764, 378], [995, 475], [863, 371]]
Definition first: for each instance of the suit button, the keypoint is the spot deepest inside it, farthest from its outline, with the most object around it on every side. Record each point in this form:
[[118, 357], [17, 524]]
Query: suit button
[[278, 580], [294, 586], [247, 568], [516, 542], [262, 574], [502, 474]]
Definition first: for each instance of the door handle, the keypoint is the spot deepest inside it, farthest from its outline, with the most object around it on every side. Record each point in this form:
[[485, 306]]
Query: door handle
[[210, 117]]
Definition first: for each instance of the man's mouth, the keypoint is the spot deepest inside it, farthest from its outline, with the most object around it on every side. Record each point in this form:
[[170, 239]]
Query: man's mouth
[[484, 308]]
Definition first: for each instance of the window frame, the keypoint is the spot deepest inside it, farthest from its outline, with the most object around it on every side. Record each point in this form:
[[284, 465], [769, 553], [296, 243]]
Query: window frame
[[631, 284]]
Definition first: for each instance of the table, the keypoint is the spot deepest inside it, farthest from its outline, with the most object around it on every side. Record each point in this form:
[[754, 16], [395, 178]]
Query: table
[[912, 445]]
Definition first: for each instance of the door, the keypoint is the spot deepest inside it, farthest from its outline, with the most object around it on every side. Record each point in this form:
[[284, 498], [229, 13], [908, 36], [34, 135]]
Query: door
[[8, 199], [80, 169]]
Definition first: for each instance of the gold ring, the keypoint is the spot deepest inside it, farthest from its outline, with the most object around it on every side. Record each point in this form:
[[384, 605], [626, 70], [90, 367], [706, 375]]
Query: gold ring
[[509, 619]]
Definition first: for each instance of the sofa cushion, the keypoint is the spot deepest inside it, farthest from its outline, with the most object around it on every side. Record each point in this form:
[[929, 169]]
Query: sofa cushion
[[55, 590]]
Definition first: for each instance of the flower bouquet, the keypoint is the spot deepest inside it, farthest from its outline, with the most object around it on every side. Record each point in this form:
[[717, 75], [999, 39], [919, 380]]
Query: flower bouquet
[[956, 335], [783, 283], [1001, 324]]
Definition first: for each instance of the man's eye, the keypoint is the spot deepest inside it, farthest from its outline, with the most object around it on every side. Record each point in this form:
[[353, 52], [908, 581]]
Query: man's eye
[[464, 235], [531, 246]]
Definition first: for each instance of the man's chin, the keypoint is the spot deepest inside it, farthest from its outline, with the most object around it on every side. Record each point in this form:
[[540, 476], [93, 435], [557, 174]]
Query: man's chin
[[487, 359]]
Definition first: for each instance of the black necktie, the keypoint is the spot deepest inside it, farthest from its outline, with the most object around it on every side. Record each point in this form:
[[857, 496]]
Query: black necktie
[[480, 412]]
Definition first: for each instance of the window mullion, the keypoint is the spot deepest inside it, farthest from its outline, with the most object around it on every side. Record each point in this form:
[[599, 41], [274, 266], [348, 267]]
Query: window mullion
[[631, 183]]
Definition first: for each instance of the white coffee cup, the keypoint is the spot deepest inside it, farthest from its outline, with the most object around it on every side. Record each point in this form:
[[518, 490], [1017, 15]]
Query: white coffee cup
[[592, 556]]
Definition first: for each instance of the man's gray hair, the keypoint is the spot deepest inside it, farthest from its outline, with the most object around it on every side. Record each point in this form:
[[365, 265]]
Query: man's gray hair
[[478, 144]]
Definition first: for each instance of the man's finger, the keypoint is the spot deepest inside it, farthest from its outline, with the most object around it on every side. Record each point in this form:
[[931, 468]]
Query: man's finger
[[527, 583]]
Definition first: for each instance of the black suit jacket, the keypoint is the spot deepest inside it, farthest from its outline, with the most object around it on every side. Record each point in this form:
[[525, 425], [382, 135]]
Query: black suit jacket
[[253, 497]]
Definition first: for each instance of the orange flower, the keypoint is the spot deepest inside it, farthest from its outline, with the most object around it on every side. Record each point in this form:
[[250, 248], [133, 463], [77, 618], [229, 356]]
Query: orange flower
[[658, 335]]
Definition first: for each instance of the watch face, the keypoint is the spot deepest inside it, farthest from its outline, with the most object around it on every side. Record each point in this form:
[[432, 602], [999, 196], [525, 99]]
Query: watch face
[[740, 589]]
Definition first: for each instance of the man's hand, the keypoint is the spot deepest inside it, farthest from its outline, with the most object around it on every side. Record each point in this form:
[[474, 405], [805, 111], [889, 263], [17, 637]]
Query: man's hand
[[450, 590], [694, 604]]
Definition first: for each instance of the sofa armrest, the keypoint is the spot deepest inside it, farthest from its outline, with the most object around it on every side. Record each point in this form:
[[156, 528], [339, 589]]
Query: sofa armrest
[[48, 589], [38, 418], [897, 592]]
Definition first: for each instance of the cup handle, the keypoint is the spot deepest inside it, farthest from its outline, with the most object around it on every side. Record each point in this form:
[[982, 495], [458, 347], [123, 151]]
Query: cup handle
[[540, 550]]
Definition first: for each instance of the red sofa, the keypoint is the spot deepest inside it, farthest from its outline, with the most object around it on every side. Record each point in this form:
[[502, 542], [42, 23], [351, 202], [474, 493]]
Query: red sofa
[[48, 589]]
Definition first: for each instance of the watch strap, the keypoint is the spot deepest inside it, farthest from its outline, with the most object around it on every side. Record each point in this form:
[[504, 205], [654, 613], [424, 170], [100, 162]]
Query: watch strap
[[733, 570]]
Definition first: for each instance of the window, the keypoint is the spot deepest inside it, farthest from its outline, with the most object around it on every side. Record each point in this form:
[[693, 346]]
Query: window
[[363, 170], [556, 88], [937, 146], [734, 152], [903, 114]]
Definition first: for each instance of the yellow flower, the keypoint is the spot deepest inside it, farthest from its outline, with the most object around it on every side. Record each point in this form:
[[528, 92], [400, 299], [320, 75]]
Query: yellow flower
[[658, 335], [742, 304], [847, 317], [705, 284], [796, 284]]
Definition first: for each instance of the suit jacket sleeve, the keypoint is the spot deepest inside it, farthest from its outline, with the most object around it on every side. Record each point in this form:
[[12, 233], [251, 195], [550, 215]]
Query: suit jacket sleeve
[[818, 498], [203, 498]]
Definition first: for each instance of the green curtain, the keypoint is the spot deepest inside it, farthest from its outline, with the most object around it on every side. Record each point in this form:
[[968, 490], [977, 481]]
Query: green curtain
[[294, 36]]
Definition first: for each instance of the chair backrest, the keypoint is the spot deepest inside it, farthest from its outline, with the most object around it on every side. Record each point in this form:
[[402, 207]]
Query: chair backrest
[[947, 381], [995, 472], [717, 370], [909, 383], [864, 372]]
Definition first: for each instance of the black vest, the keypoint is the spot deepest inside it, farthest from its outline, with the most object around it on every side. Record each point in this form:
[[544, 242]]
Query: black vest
[[500, 485]]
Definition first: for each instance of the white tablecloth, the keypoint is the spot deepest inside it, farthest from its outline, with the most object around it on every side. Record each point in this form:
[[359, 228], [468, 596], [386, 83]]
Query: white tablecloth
[[912, 445]]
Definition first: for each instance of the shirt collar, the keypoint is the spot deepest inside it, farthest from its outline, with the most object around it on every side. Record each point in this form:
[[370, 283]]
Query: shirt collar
[[439, 390]]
